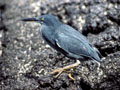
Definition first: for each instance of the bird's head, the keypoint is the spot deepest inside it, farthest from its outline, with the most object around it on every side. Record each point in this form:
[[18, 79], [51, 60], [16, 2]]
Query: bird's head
[[44, 19]]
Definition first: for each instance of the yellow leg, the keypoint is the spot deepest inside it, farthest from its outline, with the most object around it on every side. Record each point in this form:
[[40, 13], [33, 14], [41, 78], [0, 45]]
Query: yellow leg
[[60, 70]]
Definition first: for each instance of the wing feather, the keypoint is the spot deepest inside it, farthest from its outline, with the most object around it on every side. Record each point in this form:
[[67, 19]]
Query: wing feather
[[71, 45], [74, 43]]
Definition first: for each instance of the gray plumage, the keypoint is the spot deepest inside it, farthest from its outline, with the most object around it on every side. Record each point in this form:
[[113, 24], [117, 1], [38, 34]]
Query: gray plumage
[[66, 39]]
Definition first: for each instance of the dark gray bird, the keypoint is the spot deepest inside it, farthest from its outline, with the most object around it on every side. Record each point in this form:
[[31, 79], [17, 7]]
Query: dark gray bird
[[66, 40]]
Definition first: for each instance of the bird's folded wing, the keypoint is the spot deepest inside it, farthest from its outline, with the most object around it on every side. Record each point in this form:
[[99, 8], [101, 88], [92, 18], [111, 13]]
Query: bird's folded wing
[[72, 45]]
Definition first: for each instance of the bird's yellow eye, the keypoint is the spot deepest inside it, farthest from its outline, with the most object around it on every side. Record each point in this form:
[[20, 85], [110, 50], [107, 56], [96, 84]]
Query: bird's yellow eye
[[42, 19]]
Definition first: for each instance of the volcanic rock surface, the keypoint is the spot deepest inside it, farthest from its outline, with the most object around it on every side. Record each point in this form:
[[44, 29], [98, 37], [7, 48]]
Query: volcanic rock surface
[[26, 61]]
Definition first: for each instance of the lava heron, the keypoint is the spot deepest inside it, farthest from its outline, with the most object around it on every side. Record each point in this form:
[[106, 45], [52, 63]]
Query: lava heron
[[66, 40]]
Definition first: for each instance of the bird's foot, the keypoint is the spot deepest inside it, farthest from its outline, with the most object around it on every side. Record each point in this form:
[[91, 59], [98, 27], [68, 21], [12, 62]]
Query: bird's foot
[[60, 70]]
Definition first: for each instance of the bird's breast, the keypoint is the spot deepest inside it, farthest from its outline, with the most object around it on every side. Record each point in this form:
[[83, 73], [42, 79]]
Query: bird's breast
[[48, 36]]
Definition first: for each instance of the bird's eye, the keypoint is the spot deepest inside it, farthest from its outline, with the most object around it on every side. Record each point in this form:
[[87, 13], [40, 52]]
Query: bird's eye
[[42, 19]]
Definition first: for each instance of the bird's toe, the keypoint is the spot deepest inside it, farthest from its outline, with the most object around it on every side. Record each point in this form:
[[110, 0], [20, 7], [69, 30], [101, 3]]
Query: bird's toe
[[58, 70], [70, 76]]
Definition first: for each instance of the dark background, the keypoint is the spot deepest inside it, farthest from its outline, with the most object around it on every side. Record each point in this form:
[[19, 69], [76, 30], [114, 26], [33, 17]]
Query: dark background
[[25, 60]]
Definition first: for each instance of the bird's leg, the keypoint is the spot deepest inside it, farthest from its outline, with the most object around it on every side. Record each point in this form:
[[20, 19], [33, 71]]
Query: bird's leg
[[60, 70]]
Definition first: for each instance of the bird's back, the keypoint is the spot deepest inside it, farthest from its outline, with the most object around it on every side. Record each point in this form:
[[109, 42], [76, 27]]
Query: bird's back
[[75, 44]]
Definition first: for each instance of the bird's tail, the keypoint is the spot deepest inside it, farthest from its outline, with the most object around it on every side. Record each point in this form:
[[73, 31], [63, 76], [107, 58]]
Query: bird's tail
[[96, 55]]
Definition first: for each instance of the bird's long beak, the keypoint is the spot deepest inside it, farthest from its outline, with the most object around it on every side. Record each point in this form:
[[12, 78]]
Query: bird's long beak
[[29, 19]]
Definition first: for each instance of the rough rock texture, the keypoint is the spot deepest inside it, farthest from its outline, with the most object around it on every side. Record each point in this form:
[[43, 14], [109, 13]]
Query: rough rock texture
[[2, 26], [26, 60]]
